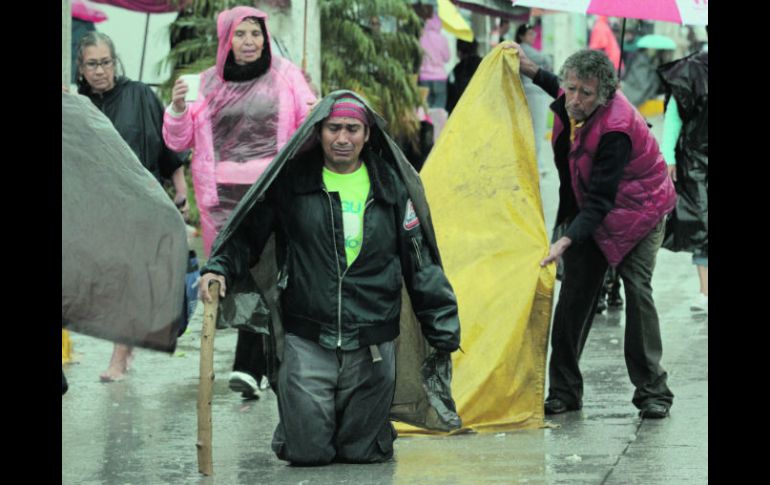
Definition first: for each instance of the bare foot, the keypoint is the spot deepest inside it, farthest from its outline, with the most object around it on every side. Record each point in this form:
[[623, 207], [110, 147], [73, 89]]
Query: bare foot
[[119, 364], [112, 375], [129, 358]]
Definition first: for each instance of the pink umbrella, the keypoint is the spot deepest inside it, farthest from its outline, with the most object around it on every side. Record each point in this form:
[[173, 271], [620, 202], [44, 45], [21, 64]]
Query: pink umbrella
[[146, 6], [683, 12], [83, 10]]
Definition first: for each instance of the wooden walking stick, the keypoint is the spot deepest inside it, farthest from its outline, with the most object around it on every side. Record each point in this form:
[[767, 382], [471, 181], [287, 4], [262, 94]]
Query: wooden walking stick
[[205, 387]]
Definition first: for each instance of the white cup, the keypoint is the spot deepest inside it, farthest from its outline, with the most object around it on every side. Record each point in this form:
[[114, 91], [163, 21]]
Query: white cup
[[193, 82]]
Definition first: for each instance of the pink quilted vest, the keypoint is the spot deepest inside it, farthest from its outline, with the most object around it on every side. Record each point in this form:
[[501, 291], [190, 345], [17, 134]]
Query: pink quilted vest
[[645, 193]]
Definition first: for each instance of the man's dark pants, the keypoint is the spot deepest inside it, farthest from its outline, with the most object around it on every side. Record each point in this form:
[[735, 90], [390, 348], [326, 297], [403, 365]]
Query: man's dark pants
[[250, 354], [584, 268], [334, 405]]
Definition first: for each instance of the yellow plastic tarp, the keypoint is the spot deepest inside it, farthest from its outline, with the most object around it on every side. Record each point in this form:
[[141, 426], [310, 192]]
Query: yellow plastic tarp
[[66, 347], [482, 185], [453, 22]]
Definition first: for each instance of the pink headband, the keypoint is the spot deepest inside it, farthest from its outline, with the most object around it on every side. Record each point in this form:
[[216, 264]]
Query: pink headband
[[349, 108]]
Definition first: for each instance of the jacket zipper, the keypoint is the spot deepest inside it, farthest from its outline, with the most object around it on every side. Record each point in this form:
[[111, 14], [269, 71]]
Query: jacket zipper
[[339, 277], [339, 289]]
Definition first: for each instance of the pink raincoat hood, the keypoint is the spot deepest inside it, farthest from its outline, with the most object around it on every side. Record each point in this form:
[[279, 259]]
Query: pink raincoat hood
[[227, 21], [433, 24]]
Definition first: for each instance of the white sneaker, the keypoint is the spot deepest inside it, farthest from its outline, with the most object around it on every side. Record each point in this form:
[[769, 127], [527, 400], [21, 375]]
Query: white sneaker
[[264, 384], [245, 384], [700, 303]]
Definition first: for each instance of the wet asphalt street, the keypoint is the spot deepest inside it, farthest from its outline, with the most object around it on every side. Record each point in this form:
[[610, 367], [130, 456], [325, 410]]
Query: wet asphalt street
[[143, 430]]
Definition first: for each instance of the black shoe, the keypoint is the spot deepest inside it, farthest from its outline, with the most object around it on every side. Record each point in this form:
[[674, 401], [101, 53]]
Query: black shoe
[[555, 405], [653, 411], [614, 300], [601, 305]]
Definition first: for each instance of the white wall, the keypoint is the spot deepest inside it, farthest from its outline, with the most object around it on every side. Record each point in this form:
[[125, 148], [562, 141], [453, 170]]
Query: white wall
[[126, 28], [563, 35], [288, 29]]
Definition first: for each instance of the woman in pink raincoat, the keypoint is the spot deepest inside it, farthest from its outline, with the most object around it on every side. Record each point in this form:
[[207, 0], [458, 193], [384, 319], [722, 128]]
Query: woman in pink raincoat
[[249, 105], [603, 39], [436, 53]]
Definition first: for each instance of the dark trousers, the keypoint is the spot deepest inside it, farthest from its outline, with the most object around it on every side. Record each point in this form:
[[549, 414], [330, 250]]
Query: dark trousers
[[584, 268], [250, 354], [334, 405]]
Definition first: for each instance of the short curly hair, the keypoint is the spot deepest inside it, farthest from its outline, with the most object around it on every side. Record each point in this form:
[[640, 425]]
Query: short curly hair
[[589, 64]]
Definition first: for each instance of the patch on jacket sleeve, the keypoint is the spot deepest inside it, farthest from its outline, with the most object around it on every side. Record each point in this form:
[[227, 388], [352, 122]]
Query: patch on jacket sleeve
[[410, 217]]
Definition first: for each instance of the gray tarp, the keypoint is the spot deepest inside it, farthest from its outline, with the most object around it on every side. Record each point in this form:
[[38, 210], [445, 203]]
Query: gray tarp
[[124, 245]]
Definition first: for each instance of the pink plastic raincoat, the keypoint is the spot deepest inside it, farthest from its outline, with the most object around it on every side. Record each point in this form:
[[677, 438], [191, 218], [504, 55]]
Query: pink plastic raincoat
[[603, 39], [236, 128], [436, 48]]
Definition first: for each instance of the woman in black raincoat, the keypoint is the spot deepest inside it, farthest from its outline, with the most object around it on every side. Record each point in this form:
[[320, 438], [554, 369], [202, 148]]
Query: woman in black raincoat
[[685, 147], [137, 114]]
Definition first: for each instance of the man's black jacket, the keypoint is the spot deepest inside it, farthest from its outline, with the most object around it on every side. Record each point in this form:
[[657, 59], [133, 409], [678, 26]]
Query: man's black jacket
[[324, 300], [137, 114], [423, 376]]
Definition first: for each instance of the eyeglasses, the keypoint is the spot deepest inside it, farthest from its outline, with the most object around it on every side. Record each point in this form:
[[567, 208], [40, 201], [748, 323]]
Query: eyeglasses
[[106, 64]]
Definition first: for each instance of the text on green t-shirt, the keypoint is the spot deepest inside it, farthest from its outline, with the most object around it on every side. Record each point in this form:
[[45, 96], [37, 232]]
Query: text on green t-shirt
[[353, 189]]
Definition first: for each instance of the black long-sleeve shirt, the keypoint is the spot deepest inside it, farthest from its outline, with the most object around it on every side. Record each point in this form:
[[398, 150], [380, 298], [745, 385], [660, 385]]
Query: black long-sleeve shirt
[[612, 156]]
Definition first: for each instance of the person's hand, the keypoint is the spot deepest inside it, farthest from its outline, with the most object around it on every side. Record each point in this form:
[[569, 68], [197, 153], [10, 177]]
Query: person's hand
[[312, 104], [181, 203], [65, 89], [526, 66], [177, 95], [203, 286], [672, 171], [557, 249]]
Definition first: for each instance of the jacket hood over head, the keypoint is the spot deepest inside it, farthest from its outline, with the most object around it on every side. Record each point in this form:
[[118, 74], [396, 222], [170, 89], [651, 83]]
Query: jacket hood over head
[[305, 139], [428, 403], [433, 24]]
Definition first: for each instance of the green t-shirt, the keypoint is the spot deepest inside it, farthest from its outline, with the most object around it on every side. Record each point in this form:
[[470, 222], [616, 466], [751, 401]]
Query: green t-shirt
[[353, 189]]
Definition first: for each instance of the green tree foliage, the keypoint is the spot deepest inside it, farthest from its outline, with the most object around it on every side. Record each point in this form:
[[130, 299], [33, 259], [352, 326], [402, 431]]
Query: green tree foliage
[[194, 40], [380, 65]]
